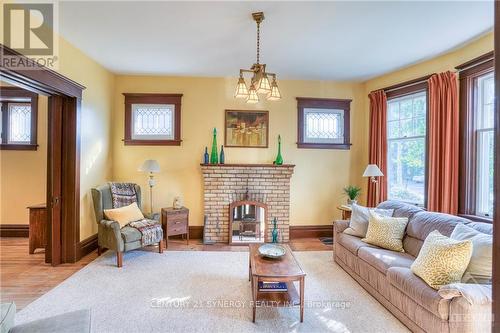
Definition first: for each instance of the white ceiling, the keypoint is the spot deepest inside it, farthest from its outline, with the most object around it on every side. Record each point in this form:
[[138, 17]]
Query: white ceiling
[[299, 40]]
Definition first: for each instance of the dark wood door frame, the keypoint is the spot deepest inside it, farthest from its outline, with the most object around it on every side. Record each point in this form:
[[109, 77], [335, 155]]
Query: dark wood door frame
[[63, 160], [496, 191]]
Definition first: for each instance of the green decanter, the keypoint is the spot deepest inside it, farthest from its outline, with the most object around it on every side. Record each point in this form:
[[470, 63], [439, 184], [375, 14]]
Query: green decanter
[[279, 158], [214, 158]]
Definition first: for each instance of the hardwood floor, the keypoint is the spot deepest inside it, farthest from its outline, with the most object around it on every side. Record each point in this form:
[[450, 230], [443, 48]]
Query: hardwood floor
[[25, 277]]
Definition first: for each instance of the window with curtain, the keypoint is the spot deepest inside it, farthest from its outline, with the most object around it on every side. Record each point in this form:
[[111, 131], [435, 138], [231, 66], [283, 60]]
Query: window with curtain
[[477, 112], [406, 147], [484, 89]]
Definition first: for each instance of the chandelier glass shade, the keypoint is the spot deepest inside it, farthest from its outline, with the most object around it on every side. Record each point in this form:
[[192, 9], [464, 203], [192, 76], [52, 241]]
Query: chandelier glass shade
[[259, 82], [252, 95], [241, 89]]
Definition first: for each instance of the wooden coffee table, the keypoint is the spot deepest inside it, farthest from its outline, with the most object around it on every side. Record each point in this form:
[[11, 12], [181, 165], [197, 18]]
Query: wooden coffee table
[[286, 269]]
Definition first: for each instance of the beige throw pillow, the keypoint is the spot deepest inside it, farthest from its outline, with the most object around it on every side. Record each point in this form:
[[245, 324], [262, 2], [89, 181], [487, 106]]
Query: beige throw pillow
[[480, 265], [386, 232], [358, 225], [124, 215], [442, 260]]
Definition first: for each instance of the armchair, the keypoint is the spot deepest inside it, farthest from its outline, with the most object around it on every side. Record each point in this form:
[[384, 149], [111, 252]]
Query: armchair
[[109, 233]]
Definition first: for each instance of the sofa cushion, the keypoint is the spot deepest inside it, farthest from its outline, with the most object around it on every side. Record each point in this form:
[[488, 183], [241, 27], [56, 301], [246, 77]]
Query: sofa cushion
[[383, 259], [130, 234], [423, 223], [74, 322], [358, 225], [7, 316], [411, 285], [386, 232], [485, 228], [442, 260], [401, 209], [351, 243], [480, 265]]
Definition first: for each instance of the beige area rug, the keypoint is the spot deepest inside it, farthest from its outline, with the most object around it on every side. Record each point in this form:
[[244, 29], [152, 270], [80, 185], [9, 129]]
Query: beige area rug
[[208, 292]]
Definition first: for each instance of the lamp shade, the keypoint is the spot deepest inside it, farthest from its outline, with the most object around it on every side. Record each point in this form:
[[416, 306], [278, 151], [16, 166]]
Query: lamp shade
[[150, 166], [372, 170]]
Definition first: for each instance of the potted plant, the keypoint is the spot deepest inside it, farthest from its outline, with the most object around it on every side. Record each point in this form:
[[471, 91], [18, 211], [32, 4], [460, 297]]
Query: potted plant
[[352, 193]]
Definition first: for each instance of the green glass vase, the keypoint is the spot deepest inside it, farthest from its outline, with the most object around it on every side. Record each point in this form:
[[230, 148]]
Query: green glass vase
[[279, 158], [214, 158], [274, 232]]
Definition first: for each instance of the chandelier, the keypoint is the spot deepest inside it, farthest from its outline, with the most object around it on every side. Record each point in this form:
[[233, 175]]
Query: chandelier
[[259, 83]]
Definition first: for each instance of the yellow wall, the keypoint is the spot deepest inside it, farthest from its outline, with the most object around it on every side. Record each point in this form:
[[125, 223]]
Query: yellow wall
[[95, 167], [24, 175], [319, 176], [435, 65], [96, 126]]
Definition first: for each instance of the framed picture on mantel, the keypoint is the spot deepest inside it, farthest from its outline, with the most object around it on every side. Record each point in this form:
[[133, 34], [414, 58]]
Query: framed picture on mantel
[[246, 129]]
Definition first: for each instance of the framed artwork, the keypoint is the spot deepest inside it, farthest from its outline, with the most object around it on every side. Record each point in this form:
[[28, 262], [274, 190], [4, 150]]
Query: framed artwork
[[246, 129]]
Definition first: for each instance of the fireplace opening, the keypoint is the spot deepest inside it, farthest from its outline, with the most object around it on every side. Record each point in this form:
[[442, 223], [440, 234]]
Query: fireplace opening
[[247, 222]]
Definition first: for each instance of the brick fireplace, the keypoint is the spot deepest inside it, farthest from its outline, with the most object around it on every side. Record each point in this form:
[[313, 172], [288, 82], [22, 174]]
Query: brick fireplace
[[228, 183]]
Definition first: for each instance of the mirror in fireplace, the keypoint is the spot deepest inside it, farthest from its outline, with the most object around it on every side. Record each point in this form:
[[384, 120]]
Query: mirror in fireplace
[[247, 222]]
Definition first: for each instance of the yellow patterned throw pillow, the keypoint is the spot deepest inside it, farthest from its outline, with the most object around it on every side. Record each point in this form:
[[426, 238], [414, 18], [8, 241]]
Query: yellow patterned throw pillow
[[386, 232], [442, 260]]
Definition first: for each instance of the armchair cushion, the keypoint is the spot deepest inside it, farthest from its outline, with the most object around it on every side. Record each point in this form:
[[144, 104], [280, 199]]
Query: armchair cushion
[[130, 234], [124, 215]]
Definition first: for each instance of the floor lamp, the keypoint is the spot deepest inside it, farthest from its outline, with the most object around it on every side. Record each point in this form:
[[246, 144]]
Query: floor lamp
[[372, 171], [151, 167]]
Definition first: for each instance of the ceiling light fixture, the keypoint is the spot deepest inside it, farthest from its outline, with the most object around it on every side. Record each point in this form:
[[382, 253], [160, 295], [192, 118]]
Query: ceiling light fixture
[[260, 78]]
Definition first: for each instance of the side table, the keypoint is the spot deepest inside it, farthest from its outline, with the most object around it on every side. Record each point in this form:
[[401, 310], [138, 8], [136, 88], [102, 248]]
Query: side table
[[346, 211], [175, 222]]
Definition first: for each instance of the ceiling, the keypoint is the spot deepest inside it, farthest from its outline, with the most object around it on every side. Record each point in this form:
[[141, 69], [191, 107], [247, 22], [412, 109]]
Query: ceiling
[[299, 40]]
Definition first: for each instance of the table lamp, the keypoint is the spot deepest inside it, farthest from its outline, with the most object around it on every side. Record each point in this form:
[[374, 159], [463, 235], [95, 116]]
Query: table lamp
[[372, 171], [152, 167]]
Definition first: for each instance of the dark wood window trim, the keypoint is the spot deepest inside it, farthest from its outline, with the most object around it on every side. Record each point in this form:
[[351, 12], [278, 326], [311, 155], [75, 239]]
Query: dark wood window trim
[[409, 88], [468, 73], [9, 95], [145, 98], [323, 103]]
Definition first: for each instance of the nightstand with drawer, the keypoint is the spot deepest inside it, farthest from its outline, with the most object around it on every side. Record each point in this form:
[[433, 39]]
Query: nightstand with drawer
[[175, 222]]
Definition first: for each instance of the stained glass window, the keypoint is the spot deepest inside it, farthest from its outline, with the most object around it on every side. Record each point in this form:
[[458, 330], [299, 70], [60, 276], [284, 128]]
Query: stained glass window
[[153, 121], [19, 123], [323, 125]]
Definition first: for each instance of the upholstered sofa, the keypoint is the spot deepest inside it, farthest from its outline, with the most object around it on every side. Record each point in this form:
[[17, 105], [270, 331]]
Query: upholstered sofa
[[386, 275], [74, 322]]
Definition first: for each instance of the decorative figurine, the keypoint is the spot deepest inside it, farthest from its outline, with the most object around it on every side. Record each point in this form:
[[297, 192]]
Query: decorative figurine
[[222, 158], [206, 157], [274, 232], [214, 159], [177, 203], [279, 158]]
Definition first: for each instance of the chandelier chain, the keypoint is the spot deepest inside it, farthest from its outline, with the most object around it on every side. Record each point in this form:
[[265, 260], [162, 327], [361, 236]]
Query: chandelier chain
[[258, 42]]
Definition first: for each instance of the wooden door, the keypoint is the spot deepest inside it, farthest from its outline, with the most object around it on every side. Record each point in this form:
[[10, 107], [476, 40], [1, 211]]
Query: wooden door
[[54, 181]]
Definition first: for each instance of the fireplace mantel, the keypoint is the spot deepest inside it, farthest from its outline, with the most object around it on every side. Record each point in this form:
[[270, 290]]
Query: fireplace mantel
[[247, 165]]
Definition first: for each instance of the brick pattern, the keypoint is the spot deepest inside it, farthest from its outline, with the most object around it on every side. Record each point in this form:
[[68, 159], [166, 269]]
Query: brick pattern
[[226, 184]]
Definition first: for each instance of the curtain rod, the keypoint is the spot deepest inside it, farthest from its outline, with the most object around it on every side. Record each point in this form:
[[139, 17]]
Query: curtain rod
[[406, 83]]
